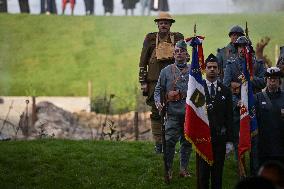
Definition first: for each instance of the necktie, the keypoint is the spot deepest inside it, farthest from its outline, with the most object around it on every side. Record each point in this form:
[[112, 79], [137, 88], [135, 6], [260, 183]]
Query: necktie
[[212, 90]]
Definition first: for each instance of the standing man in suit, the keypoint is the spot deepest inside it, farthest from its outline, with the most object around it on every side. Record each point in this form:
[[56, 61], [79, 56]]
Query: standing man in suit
[[220, 116]]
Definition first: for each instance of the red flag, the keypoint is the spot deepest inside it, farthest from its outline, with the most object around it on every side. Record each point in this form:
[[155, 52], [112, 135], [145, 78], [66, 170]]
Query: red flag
[[248, 123]]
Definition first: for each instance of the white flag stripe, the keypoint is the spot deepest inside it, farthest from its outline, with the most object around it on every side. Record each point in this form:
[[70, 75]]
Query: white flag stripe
[[201, 111], [244, 98]]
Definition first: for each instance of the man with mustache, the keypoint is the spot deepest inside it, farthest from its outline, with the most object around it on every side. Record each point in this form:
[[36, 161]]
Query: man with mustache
[[157, 53]]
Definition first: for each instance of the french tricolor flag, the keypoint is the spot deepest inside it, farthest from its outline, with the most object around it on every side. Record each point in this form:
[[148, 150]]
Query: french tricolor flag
[[196, 127], [248, 121]]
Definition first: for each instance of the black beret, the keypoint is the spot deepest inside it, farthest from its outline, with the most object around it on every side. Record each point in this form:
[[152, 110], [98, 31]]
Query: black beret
[[211, 58]]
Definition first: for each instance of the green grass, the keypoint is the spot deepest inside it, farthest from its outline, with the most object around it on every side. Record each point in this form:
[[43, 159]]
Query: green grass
[[57, 55], [91, 164]]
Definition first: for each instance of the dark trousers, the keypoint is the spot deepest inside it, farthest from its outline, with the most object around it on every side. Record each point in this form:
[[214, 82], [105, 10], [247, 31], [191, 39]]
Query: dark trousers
[[24, 6], [48, 5], [215, 172], [254, 160], [89, 4], [42, 6], [3, 5]]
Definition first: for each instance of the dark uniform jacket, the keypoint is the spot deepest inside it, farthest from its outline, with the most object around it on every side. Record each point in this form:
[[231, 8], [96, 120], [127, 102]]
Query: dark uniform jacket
[[223, 55], [270, 124], [108, 5], [220, 112]]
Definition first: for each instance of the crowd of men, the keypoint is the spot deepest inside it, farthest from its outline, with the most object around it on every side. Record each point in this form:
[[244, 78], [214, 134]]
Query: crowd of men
[[49, 6], [163, 74]]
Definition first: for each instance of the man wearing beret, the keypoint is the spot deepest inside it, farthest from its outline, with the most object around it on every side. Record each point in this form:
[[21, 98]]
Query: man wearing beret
[[220, 115], [157, 53], [270, 118], [172, 83]]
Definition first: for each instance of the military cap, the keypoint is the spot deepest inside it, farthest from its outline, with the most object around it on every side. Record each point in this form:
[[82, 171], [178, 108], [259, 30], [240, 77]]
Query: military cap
[[164, 16], [211, 58], [273, 71], [242, 40], [236, 29], [181, 44]]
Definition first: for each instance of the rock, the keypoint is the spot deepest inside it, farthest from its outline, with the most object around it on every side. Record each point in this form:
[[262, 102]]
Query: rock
[[3, 137]]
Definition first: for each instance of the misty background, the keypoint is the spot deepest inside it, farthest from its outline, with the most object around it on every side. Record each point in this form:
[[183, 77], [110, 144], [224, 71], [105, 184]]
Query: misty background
[[176, 6]]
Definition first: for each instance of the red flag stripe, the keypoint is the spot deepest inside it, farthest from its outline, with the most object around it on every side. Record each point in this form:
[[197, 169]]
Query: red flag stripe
[[197, 132]]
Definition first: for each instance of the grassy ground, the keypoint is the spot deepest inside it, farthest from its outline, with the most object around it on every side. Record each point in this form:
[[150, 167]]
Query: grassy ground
[[57, 55], [90, 164]]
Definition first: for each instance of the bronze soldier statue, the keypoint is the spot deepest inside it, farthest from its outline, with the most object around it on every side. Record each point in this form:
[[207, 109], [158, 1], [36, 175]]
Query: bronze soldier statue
[[157, 53]]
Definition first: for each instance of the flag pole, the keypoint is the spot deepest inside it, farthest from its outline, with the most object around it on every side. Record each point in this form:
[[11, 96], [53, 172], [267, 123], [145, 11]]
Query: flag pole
[[194, 29], [196, 154]]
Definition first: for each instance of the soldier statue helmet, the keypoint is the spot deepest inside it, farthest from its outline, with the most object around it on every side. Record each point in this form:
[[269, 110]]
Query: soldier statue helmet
[[164, 16], [236, 29]]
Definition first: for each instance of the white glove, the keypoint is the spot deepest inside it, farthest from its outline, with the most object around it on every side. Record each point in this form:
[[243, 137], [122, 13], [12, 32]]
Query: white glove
[[229, 149]]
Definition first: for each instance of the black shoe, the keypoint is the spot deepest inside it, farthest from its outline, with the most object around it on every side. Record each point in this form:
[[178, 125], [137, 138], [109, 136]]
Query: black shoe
[[159, 148]]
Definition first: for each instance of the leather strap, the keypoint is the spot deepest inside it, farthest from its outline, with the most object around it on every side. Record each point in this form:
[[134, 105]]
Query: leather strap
[[175, 80], [267, 99]]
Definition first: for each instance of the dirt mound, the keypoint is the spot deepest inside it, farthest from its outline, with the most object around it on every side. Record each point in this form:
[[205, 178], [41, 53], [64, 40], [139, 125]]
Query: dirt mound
[[55, 122]]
